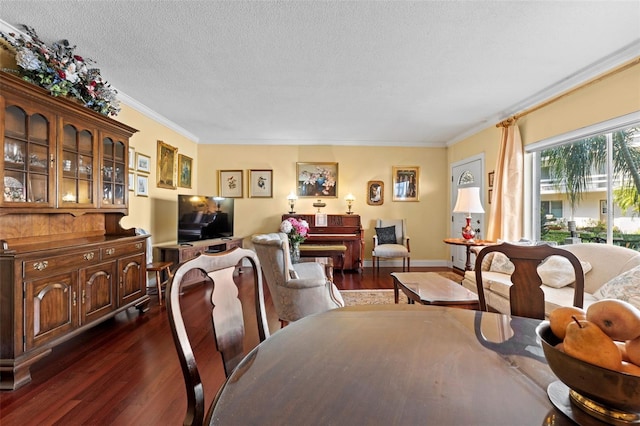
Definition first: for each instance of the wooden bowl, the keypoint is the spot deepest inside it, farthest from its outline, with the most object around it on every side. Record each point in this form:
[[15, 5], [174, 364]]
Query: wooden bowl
[[612, 389]]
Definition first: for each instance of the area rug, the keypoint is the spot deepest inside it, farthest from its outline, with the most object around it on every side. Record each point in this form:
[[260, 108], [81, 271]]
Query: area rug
[[382, 297]]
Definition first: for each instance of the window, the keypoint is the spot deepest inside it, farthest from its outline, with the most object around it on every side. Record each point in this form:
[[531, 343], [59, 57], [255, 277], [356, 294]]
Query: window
[[576, 174]]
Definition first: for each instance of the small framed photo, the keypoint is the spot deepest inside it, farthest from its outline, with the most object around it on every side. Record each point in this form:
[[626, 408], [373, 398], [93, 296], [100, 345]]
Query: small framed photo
[[491, 178], [260, 183], [317, 179], [142, 186], [132, 158], [406, 181], [230, 183], [185, 166], [132, 181], [375, 193], [167, 162], [321, 220], [143, 163], [490, 195]]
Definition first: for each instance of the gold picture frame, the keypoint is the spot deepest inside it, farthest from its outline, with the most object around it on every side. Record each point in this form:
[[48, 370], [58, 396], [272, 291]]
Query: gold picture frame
[[185, 171], [375, 193], [406, 183], [167, 160], [317, 180], [230, 183], [260, 183]]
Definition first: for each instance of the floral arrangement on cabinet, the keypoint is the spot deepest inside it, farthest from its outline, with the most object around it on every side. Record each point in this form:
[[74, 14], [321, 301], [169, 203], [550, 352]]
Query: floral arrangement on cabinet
[[60, 71]]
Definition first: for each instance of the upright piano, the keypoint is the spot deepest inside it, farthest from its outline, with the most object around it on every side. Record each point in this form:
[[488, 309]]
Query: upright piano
[[337, 230]]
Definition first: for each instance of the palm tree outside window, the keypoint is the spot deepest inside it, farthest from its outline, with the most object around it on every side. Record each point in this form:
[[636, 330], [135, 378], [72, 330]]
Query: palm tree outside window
[[576, 176]]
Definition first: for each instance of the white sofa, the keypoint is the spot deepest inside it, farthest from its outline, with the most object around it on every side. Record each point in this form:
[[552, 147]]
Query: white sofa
[[607, 262]]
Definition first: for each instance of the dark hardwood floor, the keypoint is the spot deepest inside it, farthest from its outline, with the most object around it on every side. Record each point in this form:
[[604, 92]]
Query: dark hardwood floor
[[125, 371]]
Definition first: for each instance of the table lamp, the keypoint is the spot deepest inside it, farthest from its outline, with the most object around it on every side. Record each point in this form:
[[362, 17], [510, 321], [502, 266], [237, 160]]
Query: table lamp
[[468, 202], [292, 197], [350, 199]]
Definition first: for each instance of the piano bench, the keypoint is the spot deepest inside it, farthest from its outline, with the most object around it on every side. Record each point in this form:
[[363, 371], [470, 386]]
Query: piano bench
[[324, 250]]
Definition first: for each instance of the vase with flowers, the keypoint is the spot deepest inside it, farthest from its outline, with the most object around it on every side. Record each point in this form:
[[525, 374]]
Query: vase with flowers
[[296, 231], [59, 70]]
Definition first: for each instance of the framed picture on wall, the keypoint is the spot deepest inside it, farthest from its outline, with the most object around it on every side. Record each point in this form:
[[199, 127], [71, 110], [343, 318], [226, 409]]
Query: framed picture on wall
[[185, 165], [132, 158], [132, 181], [375, 193], [143, 163], [317, 179], [492, 176], [230, 183], [406, 181], [167, 161], [260, 183], [142, 186]]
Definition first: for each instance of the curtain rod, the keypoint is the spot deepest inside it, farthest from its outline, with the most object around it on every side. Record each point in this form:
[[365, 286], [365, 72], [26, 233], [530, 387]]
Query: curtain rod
[[509, 121]]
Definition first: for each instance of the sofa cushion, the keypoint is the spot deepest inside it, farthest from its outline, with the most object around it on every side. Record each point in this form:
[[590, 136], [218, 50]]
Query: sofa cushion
[[502, 264], [625, 286], [557, 271], [387, 235]]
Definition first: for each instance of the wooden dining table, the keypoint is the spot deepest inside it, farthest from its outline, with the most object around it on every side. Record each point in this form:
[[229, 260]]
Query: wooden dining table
[[393, 365]]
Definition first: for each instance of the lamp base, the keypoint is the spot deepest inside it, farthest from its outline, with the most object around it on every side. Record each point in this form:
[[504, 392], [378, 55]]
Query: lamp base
[[467, 231]]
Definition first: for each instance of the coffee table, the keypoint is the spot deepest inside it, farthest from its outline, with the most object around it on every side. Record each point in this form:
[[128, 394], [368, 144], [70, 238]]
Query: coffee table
[[431, 288]]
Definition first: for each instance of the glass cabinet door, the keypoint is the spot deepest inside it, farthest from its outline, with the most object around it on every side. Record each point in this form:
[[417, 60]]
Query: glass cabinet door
[[27, 168], [114, 172], [76, 167]]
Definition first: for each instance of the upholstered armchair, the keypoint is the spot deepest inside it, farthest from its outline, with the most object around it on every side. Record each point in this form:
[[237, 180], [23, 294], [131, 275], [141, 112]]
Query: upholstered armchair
[[299, 289], [391, 242]]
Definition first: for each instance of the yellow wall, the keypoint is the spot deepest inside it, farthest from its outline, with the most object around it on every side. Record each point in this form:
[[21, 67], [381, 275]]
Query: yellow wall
[[603, 99]]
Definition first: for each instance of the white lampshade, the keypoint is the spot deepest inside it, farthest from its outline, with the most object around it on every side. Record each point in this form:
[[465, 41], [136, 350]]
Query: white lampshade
[[468, 201], [292, 196]]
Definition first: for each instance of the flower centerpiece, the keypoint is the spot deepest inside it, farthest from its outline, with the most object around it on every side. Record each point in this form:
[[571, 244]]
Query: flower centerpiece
[[297, 231], [60, 71]]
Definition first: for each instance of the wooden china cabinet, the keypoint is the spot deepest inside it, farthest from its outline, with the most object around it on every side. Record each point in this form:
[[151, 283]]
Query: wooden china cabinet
[[66, 263]]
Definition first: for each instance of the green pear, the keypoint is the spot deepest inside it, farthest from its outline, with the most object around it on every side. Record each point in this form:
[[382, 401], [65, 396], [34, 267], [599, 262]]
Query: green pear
[[585, 341]]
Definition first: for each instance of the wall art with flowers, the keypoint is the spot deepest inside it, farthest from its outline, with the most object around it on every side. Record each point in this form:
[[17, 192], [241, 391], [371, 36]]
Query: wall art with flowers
[[230, 183], [317, 179]]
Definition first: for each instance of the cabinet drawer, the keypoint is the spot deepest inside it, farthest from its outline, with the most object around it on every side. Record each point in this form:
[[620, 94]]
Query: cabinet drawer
[[117, 250], [45, 266]]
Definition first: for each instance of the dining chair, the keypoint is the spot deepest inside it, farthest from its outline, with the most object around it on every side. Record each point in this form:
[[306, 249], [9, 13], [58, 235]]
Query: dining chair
[[227, 319], [297, 289], [391, 242], [526, 298]]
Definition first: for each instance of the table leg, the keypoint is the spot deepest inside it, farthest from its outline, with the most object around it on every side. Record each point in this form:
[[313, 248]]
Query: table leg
[[395, 290], [467, 267]]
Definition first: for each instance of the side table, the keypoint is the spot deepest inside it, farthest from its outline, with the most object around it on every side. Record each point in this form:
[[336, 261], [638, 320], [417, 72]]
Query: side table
[[327, 262], [468, 244]]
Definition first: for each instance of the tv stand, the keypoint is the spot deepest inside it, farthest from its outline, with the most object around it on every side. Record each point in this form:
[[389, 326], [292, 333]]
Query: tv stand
[[178, 253]]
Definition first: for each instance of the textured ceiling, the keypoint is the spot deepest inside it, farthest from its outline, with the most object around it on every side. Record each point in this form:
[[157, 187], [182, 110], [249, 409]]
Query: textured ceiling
[[422, 73]]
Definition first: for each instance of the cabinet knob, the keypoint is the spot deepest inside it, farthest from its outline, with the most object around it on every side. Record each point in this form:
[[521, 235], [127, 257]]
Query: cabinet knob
[[40, 266], [88, 256], [139, 246], [110, 251]]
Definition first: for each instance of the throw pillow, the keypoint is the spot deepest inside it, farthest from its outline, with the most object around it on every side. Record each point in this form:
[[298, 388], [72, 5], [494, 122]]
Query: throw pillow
[[625, 286], [386, 235], [557, 271], [501, 263]]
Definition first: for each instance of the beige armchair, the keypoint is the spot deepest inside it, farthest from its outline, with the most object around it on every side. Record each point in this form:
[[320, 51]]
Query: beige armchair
[[391, 242], [297, 290]]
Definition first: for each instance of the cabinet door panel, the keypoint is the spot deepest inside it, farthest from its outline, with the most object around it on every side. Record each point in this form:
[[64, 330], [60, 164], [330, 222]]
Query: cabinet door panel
[[97, 291], [132, 271], [50, 308]]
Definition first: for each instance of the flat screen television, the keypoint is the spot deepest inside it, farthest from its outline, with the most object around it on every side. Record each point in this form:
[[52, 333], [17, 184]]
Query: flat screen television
[[203, 217]]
